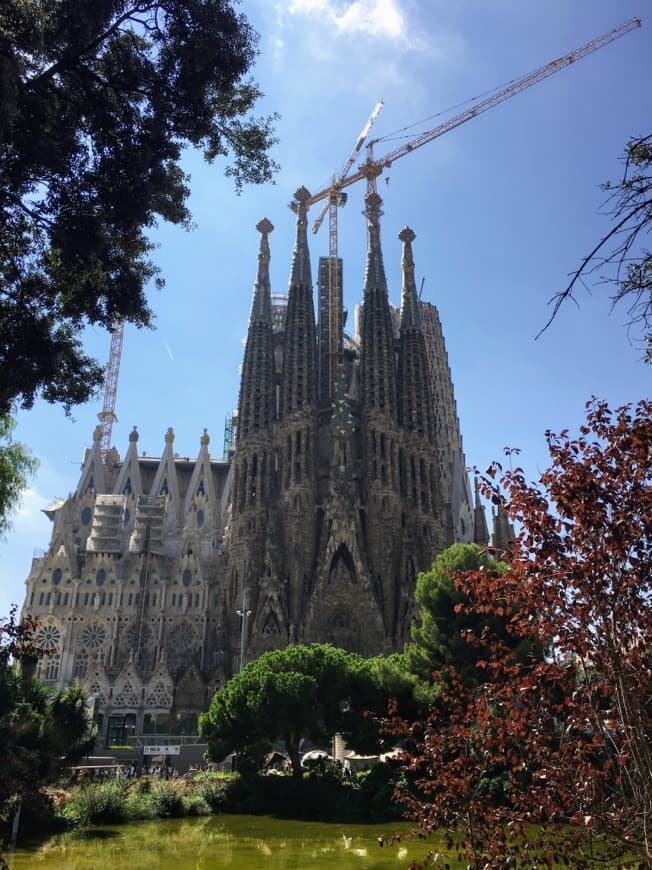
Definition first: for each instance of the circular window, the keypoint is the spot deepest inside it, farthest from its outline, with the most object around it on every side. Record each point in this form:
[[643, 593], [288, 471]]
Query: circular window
[[93, 636], [48, 638], [186, 577], [200, 518], [100, 577], [56, 576], [86, 516]]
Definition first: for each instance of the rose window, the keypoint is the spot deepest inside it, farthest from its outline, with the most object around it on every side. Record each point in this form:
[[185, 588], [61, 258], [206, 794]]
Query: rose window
[[48, 637], [182, 636], [93, 636], [132, 636]]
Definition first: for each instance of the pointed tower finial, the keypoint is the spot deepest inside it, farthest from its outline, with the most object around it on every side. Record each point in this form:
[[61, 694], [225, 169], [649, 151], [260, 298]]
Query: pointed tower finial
[[300, 272], [503, 530], [256, 403], [377, 357], [261, 304], [375, 273], [299, 373], [410, 313], [480, 528]]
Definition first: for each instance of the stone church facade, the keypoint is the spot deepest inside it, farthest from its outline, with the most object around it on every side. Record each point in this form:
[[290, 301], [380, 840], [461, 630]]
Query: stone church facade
[[163, 573]]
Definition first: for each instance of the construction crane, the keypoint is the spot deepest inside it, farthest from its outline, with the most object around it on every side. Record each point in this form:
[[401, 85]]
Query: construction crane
[[335, 199], [373, 167], [107, 415]]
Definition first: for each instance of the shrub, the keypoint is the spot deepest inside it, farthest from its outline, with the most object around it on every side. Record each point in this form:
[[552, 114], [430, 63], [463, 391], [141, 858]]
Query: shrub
[[195, 805], [214, 791], [167, 800], [141, 806], [98, 803]]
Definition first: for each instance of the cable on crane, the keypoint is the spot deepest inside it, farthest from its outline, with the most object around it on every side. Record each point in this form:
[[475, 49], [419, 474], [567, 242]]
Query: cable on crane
[[395, 136]]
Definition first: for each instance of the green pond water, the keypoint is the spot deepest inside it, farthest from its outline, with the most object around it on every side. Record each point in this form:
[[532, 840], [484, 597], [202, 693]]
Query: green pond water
[[243, 842]]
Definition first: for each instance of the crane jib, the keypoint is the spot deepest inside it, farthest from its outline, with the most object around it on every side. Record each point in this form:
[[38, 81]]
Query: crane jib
[[373, 167]]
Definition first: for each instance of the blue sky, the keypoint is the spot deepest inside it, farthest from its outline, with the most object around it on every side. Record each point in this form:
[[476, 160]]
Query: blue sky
[[503, 208]]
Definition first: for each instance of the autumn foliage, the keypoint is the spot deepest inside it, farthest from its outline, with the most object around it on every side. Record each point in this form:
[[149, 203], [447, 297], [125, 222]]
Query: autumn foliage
[[550, 759]]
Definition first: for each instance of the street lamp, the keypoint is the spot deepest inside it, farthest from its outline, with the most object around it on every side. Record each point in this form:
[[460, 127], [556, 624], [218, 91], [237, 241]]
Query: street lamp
[[244, 615]]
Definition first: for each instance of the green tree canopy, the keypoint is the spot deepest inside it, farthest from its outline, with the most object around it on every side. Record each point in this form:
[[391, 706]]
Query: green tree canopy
[[99, 98], [40, 730], [16, 465], [300, 692], [439, 635]]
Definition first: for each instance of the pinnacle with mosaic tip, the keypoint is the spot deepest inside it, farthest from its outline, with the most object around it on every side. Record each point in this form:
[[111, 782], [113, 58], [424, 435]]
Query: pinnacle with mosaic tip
[[300, 270], [261, 305], [373, 204], [265, 226], [410, 316], [407, 234], [302, 195]]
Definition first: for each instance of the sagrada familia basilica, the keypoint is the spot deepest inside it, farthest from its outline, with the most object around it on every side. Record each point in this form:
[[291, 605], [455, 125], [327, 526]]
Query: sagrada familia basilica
[[164, 574]]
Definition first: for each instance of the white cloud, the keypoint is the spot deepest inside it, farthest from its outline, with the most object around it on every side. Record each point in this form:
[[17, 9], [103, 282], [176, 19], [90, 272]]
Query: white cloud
[[377, 19], [31, 503]]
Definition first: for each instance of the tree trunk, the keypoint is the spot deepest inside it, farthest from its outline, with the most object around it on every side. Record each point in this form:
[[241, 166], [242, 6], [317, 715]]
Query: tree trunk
[[292, 747]]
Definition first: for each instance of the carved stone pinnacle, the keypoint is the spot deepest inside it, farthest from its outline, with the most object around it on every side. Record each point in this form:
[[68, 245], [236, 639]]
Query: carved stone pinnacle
[[302, 195], [373, 203], [407, 235], [265, 226]]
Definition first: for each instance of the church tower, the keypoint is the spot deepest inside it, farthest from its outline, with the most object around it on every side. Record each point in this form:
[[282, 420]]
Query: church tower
[[163, 574], [255, 460]]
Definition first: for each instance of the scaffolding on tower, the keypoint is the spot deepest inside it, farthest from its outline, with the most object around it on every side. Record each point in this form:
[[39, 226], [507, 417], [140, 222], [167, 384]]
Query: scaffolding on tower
[[230, 434]]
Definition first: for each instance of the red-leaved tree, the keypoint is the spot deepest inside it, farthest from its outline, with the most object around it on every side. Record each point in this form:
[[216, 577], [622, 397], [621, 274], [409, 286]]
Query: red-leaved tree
[[551, 759]]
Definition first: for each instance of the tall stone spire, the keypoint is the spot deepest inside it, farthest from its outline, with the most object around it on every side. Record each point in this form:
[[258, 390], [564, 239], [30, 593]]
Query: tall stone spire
[[261, 305], [503, 531], [480, 529], [256, 405], [378, 378], [415, 406], [299, 378], [410, 312]]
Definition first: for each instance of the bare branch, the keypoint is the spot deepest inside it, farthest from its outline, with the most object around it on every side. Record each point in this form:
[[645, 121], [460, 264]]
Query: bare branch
[[631, 209]]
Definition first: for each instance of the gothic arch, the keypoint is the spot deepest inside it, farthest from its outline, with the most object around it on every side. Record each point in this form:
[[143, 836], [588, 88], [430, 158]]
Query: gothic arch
[[342, 568]]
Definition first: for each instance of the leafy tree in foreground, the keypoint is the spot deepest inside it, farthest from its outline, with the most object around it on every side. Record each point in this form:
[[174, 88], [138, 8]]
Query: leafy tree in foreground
[[563, 743], [16, 464], [439, 635], [99, 99], [621, 253], [40, 730], [299, 692]]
